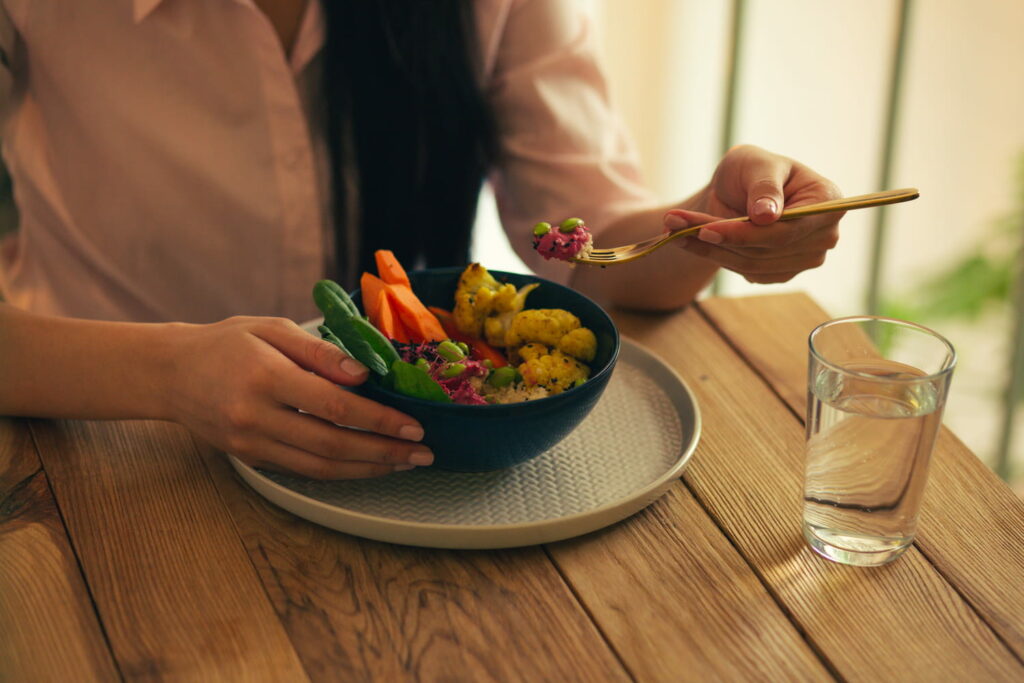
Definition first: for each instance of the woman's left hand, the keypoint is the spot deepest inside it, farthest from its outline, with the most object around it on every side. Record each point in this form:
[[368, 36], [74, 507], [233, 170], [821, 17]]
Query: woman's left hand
[[754, 182]]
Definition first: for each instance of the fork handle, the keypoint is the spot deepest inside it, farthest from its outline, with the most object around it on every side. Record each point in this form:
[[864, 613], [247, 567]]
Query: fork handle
[[846, 203], [860, 201]]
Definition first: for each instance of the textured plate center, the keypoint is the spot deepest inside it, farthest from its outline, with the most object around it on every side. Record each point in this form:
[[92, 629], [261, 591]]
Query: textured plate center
[[632, 436]]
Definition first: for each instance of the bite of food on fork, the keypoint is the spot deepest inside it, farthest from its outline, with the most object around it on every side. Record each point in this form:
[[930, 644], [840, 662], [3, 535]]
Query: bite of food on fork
[[577, 247], [763, 216]]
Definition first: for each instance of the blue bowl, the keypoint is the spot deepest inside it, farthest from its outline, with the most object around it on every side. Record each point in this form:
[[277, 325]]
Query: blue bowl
[[468, 438]]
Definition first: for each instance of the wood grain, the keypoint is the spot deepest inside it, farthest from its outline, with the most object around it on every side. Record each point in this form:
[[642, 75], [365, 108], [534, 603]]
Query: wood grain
[[679, 603], [171, 582], [359, 610], [48, 628], [902, 621], [972, 524]]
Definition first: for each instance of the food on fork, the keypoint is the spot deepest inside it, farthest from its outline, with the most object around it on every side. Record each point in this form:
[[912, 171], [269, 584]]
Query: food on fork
[[570, 240]]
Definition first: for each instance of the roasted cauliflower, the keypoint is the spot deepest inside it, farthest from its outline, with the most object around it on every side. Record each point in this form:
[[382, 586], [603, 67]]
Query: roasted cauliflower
[[579, 343], [544, 325], [485, 307], [550, 369]]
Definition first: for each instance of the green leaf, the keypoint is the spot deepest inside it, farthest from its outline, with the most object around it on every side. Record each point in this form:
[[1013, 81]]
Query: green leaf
[[413, 381]]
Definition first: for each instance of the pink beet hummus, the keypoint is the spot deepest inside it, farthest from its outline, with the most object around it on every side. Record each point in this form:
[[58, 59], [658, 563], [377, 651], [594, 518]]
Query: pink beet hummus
[[563, 246]]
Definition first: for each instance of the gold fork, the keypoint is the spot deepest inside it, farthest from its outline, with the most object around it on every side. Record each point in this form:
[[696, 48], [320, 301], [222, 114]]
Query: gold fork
[[629, 252]]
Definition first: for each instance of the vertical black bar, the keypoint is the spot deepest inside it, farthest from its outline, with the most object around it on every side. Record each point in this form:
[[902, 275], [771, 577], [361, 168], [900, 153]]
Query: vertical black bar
[[732, 85], [888, 153]]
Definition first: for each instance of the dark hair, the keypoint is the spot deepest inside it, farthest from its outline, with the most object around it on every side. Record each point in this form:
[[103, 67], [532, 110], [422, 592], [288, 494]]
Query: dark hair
[[410, 133]]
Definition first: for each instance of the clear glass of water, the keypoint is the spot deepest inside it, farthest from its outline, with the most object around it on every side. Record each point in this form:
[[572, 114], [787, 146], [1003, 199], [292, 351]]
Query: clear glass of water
[[876, 388]]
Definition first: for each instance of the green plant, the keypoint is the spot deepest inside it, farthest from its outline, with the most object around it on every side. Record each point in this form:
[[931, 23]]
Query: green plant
[[980, 278], [979, 282]]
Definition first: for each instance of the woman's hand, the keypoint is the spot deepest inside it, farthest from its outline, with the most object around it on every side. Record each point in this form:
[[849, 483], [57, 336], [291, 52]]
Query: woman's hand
[[751, 181], [241, 383]]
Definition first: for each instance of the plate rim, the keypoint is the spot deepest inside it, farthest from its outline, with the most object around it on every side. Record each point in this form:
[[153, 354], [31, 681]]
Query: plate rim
[[484, 536]]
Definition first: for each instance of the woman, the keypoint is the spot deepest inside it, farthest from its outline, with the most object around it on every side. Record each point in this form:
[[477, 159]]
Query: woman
[[184, 160]]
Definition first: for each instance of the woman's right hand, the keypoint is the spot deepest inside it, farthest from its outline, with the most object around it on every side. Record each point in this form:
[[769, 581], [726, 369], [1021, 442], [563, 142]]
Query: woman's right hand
[[240, 384]]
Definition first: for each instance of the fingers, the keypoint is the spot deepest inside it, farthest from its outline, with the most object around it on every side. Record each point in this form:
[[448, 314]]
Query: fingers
[[279, 457], [763, 177], [679, 219], [310, 352], [326, 440], [319, 397], [764, 265], [752, 180], [746, 234]]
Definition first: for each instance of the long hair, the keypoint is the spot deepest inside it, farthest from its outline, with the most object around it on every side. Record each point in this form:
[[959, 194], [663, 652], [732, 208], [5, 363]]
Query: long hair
[[410, 133]]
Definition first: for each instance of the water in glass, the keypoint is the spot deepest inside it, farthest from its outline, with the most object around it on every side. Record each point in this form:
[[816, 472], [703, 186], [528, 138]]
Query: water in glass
[[868, 447]]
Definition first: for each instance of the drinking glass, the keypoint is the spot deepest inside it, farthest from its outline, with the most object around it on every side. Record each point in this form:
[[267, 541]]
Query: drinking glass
[[876, 389]]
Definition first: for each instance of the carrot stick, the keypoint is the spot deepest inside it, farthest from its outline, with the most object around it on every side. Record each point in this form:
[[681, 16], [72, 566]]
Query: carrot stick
[[371, 286], [386, 321], [420, 322], [389, 269]]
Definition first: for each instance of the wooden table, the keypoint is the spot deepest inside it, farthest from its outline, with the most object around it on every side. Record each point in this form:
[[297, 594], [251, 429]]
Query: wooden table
[[128, 550]]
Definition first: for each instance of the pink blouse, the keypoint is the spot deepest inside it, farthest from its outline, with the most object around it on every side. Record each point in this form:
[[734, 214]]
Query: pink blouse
[[169, 164]]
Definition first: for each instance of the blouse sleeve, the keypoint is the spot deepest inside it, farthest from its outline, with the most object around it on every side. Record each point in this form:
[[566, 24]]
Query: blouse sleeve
[[564, 152]]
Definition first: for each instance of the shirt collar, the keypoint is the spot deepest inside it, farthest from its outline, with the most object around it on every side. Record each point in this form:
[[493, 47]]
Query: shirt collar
[[311, 32], [143, 8]]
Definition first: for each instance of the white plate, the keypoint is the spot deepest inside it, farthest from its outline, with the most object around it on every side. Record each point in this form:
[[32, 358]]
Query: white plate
[[623, 456]]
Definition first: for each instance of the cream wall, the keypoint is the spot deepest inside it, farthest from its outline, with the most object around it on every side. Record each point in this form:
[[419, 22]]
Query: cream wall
[[813, 86]]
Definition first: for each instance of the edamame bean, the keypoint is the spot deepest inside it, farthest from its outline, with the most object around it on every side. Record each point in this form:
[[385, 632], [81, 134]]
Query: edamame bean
[[502, 377], [422, 363], [463, 346], [453, 370], [541, 229], [449, 351], [569, 224]]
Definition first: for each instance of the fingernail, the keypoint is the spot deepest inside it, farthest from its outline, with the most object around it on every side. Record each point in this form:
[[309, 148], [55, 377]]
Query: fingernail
[[353, 367], [421, 458], [711, 236], [410, 433], [402, 468], [674, 222], [765, 206]]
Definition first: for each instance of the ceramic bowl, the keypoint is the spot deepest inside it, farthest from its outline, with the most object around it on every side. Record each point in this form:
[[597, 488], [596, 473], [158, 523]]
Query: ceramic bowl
[[470, 438]]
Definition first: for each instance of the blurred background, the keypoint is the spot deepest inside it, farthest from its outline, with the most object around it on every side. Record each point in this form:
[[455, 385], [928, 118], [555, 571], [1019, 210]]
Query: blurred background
[[872, 94]]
